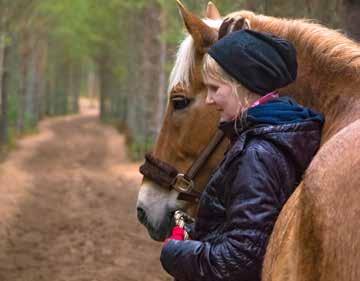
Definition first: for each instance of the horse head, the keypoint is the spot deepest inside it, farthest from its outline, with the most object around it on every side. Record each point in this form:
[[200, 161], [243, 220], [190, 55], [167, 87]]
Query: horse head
[[188, 126]]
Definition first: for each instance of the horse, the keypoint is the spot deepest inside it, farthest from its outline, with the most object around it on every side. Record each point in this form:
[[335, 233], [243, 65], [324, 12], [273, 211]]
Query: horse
[[316, 234]]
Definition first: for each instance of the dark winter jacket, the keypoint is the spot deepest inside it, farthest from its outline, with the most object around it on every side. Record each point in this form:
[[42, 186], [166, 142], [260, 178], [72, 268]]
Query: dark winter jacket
[[271, 148]]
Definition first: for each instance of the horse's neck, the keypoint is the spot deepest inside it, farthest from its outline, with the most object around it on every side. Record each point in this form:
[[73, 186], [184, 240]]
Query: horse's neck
[[339, 101], [338, 108], [334, 93]]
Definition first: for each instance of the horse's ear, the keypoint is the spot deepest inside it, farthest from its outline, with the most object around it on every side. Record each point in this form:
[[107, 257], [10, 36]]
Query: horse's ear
[[212, 12], [242, 23], [233, 24], [204, 36]]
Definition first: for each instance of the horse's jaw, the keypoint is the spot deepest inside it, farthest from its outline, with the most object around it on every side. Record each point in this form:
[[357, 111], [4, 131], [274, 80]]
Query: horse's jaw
[[155, 208]]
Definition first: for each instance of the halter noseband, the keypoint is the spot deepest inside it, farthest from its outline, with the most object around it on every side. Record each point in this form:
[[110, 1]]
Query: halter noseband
[[169, 177]]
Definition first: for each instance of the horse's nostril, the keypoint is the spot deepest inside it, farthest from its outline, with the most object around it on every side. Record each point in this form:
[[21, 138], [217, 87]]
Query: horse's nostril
[[141, 215]]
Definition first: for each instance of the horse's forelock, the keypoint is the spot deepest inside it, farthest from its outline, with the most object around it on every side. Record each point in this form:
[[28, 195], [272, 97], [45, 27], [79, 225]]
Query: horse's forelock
[[185, 59], [184, 63]]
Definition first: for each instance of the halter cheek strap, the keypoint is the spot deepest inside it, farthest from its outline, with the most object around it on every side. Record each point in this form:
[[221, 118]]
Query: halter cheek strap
[[169, 177]]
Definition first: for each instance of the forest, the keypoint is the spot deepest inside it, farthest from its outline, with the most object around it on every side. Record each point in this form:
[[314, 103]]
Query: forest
[[52, 52]]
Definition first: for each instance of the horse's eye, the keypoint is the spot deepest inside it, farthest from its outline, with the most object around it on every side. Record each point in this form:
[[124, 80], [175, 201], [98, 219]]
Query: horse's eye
[[180, 102]]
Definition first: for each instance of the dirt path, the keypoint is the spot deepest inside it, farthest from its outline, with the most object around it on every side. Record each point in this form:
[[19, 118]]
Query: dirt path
[[67, 207]]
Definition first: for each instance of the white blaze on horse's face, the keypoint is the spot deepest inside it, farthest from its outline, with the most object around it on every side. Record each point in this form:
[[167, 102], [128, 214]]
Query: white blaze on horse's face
[[156, 205]]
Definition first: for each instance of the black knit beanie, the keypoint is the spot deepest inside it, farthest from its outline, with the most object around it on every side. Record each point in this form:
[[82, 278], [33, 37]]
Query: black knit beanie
[[260, 61]]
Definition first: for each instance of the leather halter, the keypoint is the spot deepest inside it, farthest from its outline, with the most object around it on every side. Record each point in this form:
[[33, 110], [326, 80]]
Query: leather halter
[[169, 177]]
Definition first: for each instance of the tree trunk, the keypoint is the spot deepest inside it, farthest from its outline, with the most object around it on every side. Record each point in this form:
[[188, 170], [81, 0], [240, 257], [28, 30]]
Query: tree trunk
[[77, 87], [51, 86], [4, 135], [41, 82], [134, 79], [104, 74], [144, 107], [2, 52], [161, 97], [351, 18], [71, 85], [150, 69], [30, 86], [103, 94], [24, 53]]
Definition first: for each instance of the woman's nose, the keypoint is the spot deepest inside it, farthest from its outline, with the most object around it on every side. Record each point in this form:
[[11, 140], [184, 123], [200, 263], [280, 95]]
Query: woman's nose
[[209, 100]]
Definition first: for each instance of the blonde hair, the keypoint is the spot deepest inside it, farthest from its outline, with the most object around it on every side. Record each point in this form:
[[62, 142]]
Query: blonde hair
[[213, 70]]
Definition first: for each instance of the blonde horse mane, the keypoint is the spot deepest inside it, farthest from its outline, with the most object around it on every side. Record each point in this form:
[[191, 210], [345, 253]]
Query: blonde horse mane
[[328, 50]]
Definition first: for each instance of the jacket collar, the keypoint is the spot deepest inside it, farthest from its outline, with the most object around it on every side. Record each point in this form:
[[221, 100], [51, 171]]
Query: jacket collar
[[232, 129], [270, 112]]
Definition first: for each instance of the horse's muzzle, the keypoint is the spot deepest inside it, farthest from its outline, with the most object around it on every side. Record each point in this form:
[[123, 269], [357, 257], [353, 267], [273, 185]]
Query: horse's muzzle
[[161, 232]]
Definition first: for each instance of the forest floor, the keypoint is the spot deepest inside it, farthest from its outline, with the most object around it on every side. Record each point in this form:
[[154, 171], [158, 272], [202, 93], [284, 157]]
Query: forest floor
[[67, 207]]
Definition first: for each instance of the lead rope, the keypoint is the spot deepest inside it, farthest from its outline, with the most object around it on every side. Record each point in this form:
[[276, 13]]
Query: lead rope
[[182, 218]]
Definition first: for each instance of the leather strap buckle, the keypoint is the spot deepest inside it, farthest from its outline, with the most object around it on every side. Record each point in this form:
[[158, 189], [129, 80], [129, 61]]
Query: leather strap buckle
[[182, 183]]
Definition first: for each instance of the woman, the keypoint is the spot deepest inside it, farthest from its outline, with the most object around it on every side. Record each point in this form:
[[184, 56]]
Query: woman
[[272, 141]]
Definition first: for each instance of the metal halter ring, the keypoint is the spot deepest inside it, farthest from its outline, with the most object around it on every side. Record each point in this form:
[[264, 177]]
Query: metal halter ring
[[182, 184]]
